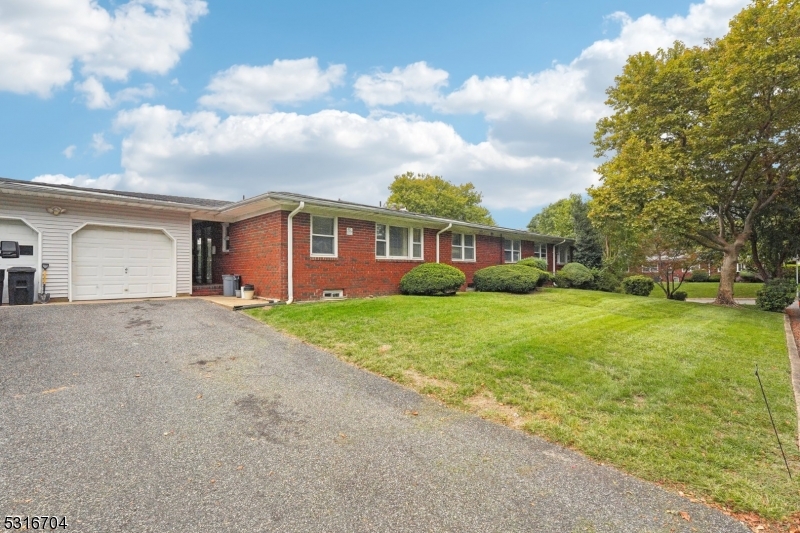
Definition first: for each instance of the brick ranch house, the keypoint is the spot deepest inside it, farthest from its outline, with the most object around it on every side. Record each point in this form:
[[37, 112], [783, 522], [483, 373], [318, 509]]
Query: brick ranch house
[[103, 244]]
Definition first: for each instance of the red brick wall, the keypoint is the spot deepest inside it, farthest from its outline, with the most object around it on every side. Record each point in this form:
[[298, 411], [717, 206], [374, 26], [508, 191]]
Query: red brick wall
[[258, 254]]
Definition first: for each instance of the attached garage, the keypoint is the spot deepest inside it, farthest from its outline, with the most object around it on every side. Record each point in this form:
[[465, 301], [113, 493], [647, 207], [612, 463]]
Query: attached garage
[[17, 229], [122, 262]]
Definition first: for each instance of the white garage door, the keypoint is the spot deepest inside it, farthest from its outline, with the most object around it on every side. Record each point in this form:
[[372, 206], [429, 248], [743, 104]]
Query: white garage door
[[28, 239], [109, 263]]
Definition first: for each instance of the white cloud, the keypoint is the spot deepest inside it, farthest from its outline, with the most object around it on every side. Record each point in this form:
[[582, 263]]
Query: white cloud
[[96, 96], [330, 153], [69, 151], [247, 89], [106, 181], [537, 149], [99, 144], [416, 83], [576, 92], [42, 40]]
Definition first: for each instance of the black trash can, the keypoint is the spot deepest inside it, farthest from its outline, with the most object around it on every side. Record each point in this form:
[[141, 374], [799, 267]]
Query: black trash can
[[2, 283], [20, 285]]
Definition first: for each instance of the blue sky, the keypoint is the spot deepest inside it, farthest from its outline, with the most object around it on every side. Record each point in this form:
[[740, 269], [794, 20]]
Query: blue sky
[[224, 99]]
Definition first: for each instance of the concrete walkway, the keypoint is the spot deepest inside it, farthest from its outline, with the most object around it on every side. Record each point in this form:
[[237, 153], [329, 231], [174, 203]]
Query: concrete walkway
[[740, 301], [182, 416]]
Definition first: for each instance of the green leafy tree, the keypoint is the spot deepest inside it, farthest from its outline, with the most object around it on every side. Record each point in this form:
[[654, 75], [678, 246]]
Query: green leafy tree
[[588, 241], [432, 195], [555, 219], [776, 236], [702, 140]]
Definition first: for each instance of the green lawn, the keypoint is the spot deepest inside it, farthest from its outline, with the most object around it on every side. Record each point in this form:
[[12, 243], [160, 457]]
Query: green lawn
[[708, 289], [662, 389]]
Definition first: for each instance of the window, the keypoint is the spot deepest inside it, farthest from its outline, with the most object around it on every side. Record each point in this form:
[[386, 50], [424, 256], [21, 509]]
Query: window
[[563, 255], [463, 247], [397, 242], [226, 239], [512, 249], [323, 236], [540, 251]]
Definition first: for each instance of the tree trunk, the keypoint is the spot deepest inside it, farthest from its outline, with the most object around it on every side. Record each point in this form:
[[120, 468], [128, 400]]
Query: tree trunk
[[728, 275]]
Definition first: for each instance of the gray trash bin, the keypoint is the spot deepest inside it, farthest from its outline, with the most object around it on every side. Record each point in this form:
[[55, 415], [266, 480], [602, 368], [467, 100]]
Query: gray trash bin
[[228, 284], [20, 285], [2, 283]]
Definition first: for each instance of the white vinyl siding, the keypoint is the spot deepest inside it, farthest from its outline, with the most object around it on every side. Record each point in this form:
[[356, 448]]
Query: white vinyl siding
[[323, 236], [56, 232], [463, 248], [512, 249], [397, 242]]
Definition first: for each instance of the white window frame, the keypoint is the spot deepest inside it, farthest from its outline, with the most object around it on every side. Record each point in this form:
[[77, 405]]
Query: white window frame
[[540, 250], [226, 240], [516, 246], [333, 294], [558, 255], [409, 244], [335, 236], [463, 247]]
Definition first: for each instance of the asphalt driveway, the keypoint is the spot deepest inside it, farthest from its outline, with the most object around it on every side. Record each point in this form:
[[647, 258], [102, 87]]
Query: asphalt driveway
[[182, 416]]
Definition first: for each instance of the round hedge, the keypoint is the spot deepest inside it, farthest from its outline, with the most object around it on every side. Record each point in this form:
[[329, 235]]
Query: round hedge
[[638, 285], [574, 275], [534, 262], [516, 278], [432, 279], [699, 276]]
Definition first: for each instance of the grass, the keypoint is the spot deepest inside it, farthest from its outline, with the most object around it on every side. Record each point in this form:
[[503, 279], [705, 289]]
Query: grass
[[662, 389], [708, 289]]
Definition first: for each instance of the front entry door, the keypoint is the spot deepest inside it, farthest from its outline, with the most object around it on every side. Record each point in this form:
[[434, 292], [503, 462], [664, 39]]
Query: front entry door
[[203, 254]]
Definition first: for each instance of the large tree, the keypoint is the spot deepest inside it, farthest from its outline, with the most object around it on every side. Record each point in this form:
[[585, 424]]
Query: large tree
[[588, 241], [776, 235], [555, 219], [702, 140], [433, 195]]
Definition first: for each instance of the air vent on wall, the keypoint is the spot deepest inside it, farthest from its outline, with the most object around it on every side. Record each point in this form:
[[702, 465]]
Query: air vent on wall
[[329, 294], [25, 250]]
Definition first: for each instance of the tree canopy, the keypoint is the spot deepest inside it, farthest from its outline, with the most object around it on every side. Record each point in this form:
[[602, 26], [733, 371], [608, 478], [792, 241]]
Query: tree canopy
[[702, 140], [555, 219], [433, 195]]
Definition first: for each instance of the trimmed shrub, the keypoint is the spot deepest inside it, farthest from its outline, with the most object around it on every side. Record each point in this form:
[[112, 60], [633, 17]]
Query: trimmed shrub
[[746, 276], [776, 295], [714, 277], [432, 279], [679, 295], [506, 278], [534, 262], [638, 285], [605, 280], [544, 277], [574, 275], [698, 276]]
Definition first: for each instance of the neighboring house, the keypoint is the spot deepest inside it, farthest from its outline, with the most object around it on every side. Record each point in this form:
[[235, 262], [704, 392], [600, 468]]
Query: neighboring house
[[103, 244]]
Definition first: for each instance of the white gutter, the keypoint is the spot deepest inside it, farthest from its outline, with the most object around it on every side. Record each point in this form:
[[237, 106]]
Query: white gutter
[[290, 247], [555, 254], [437, 239]]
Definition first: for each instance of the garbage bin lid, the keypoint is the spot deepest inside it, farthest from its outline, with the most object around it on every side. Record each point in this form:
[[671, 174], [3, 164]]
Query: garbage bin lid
[[29, 270]]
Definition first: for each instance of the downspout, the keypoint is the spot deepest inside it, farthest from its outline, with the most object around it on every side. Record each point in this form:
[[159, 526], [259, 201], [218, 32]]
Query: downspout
[[555, 254], [290, 251], [437, 239]]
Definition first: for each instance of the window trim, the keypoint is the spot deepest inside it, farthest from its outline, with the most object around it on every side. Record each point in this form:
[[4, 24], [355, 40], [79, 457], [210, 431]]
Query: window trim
[[512, 241], [537, 250], [410, 243], [226, 238], [463, 246], [312, 235]]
